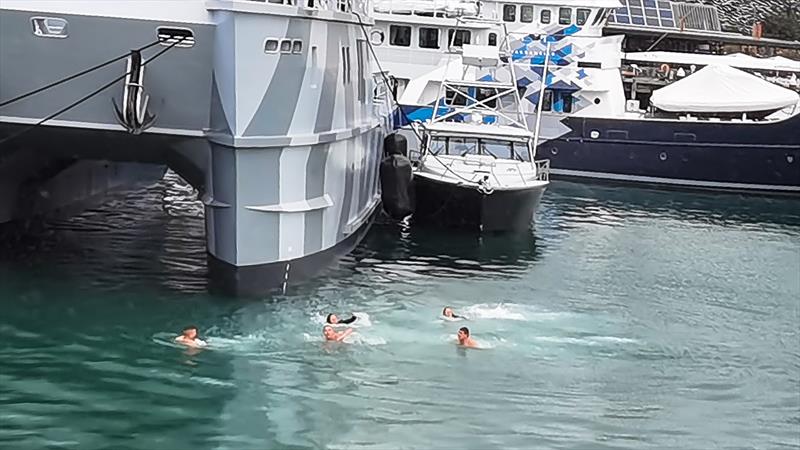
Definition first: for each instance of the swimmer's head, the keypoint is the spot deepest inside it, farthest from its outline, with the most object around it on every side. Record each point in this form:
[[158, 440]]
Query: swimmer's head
[[447, 311], [190, 332], [329, 332], [463, 334], [332, 319]]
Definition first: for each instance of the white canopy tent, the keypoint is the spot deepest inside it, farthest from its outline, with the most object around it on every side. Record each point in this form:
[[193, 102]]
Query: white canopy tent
[[722, 89]]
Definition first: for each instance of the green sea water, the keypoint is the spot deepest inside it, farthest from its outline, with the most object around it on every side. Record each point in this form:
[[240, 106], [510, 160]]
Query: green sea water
[[628, 318]]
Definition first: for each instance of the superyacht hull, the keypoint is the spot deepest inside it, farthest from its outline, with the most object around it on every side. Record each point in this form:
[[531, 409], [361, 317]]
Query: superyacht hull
[[254, 110]]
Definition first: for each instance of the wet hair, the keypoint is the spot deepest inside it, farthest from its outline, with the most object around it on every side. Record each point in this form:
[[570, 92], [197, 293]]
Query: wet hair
[[328, 319], [326, 327], [189, 327], [465, 330], [444, 309]]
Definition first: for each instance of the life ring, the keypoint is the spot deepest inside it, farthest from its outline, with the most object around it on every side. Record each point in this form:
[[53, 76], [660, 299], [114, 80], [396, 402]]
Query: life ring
[[664, 68]]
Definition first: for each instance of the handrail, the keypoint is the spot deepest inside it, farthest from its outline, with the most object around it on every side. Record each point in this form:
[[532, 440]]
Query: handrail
[[542, 170]]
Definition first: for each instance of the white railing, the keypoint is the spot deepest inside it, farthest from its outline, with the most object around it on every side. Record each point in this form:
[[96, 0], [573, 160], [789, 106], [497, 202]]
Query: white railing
[[438, 8], [542, 169], [362, 7]]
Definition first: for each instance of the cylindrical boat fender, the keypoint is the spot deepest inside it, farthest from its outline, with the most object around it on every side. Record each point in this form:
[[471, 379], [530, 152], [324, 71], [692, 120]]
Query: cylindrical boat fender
[[396, 178]]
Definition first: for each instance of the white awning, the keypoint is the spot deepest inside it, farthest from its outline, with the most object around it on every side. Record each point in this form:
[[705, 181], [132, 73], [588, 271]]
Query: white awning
[[722, 89]]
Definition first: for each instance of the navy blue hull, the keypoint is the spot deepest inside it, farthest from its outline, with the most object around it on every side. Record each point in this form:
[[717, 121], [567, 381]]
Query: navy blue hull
[[762, 157]]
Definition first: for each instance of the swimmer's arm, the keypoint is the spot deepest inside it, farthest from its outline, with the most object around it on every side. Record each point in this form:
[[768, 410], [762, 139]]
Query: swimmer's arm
[[348, 321], [344, 334]]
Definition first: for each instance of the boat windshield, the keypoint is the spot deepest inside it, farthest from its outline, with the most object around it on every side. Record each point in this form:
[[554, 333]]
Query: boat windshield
[[496, 148]]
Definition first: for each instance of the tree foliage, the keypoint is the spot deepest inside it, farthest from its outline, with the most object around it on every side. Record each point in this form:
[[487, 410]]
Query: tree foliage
[[784, 24]]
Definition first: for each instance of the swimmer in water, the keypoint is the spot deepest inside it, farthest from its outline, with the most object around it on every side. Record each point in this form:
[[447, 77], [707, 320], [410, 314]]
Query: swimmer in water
[[464, 338], [189, 337], [448, 313], [331, 334], [334, 320]]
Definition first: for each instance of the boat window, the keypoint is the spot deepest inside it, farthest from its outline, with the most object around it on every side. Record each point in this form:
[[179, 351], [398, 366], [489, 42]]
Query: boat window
[[498, 149], [429, 38], [286, 46], [484, 93], [493, 39], [545, 16], [462, 146], [564, 16], [563, 102], [526, 13], [547, 102], [582, 15], [454, 99], [400, 35], [271, 46], [438, 146], [509, 13], [461, 37], [297, 47]]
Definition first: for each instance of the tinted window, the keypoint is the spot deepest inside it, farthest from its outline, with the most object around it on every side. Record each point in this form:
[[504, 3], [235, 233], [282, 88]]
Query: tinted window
[[564, 16], [429, 38], [582, 16], [509, 13], [493, 39], [400, 35], [461, 37], [545, 16], [547, 102], [526, 13]]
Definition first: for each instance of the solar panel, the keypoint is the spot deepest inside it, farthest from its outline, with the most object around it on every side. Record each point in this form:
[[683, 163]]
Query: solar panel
[[666, 14]]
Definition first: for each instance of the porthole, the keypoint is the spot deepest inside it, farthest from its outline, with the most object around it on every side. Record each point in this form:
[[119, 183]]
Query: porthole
[[594, 134], [662, 156], [597, 101], [271, 45], [790, 158], [286, 46], [376, 37], [554, 150], [297, 47]]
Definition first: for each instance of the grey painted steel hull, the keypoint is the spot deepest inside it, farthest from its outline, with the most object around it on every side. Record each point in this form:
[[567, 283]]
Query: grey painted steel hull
[[283, 147]]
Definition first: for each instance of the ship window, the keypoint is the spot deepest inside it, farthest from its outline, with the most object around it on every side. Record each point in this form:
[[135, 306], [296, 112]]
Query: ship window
[[286, 46], [271, 46], [547, 102], [509, 13], [483, 94], [499, 149], [345, 65], [545, 16], [454, 98], [493, 39], [461, 37], [582, 15], [400, 35], [429, 38], [461, 146], [297, 47], [564, 16], [526, 13]]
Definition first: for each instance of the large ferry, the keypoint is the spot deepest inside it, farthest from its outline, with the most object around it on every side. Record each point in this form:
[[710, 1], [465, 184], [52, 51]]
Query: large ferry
[[593, 124], [266, 108]]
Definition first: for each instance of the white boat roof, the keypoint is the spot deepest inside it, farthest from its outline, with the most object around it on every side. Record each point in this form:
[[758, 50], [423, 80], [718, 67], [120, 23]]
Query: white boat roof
[[501, 132], [737, 60], [722, 89]]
